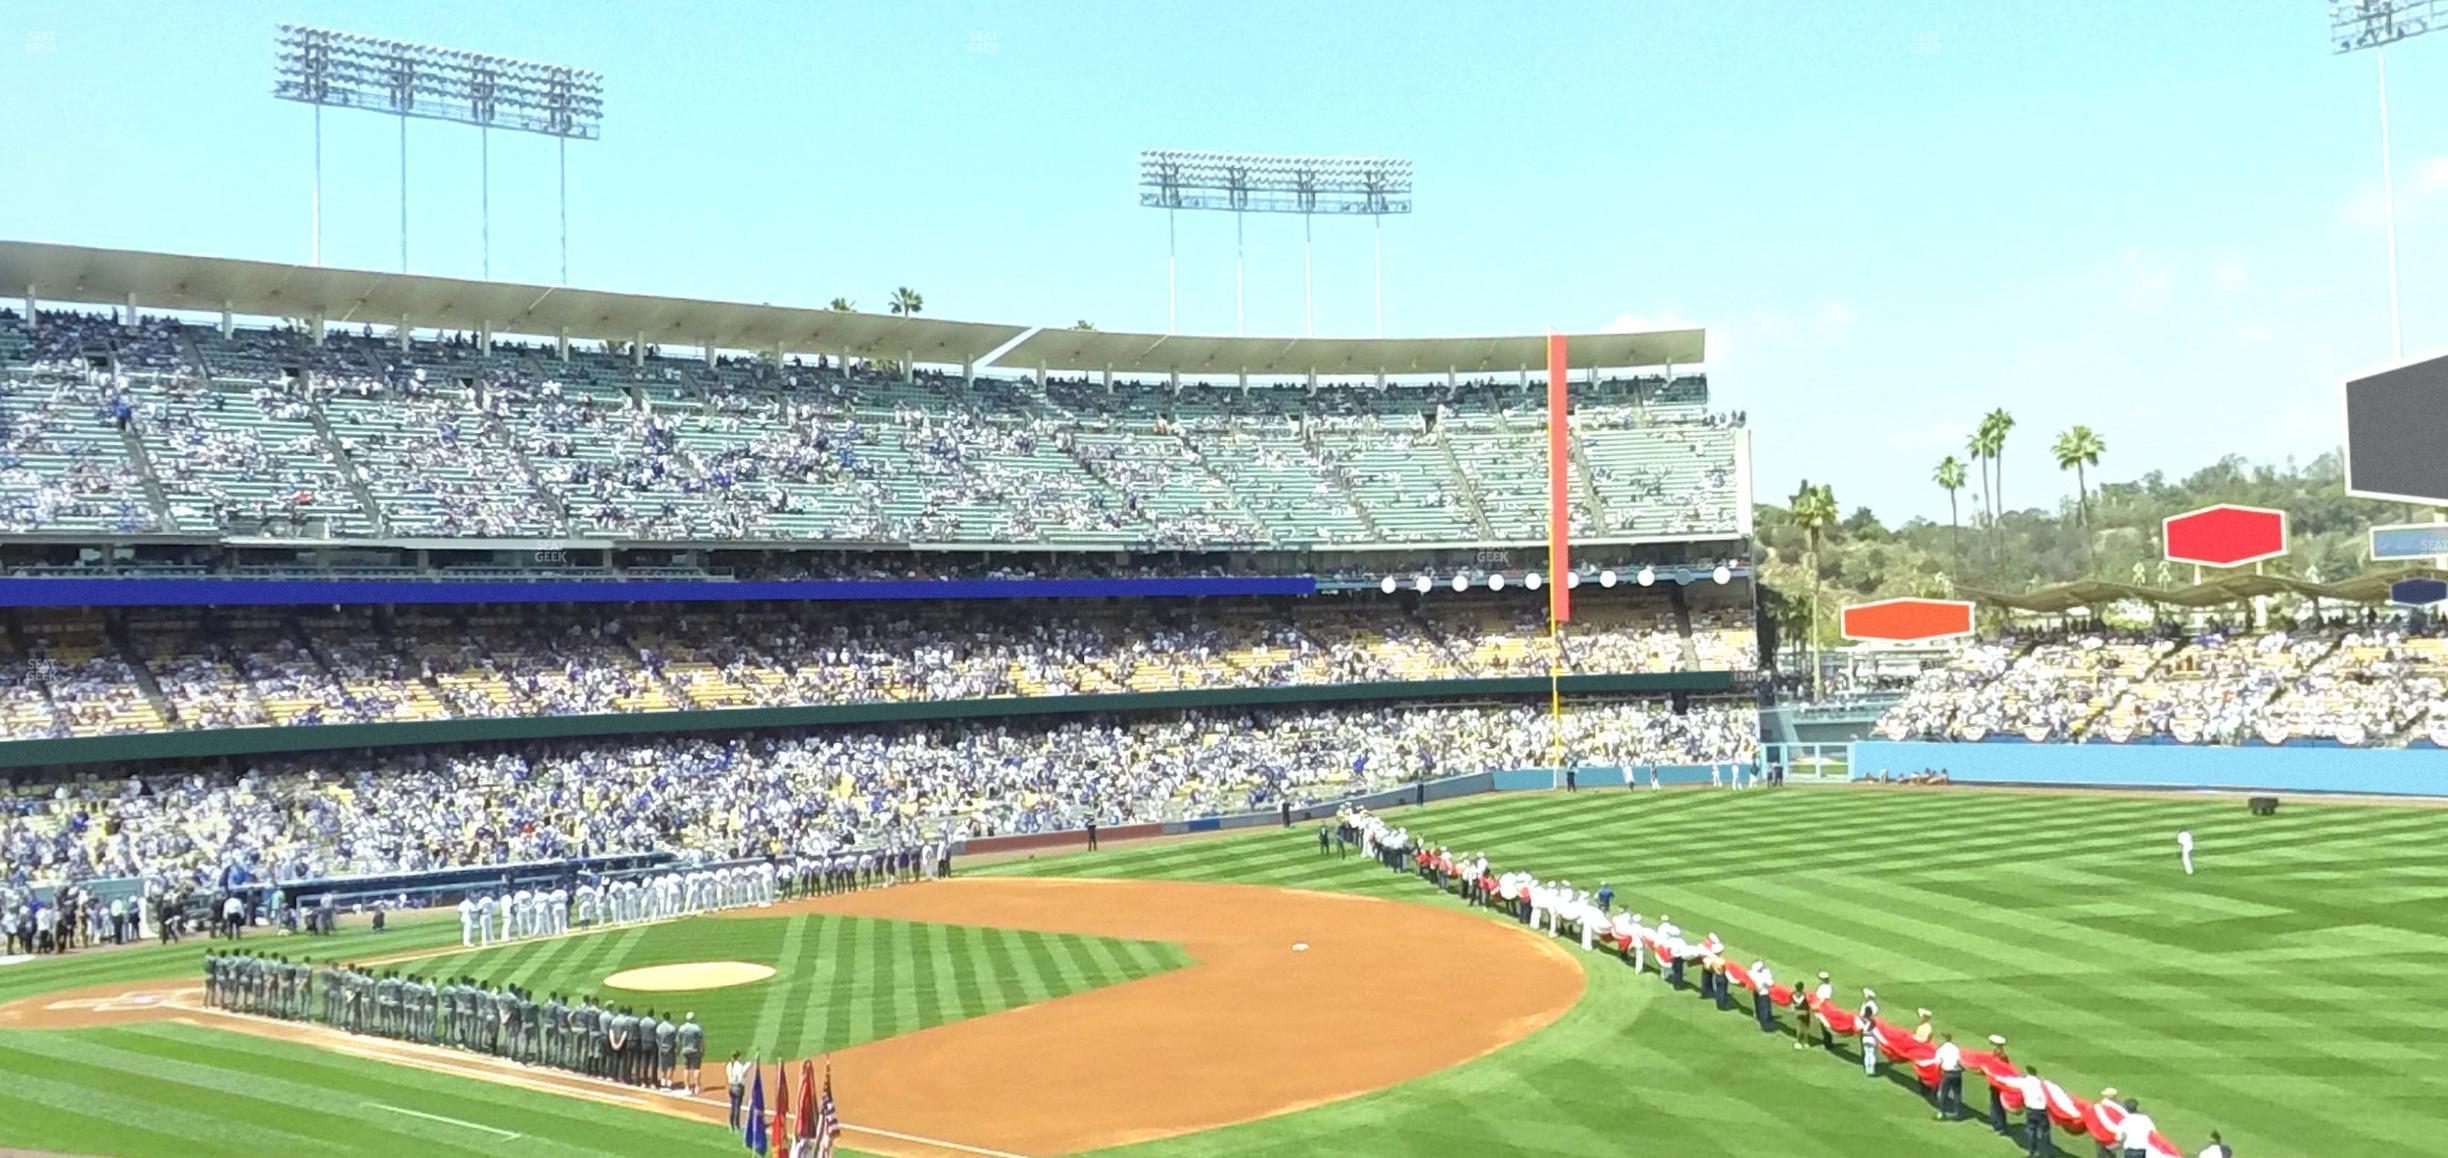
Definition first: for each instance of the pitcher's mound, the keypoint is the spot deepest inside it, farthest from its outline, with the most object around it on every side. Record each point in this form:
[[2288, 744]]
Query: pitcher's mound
[[693, 975]]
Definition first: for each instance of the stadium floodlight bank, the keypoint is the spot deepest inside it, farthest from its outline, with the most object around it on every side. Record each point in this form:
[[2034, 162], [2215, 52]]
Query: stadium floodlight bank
[[2355, 25], [1175, 179], [1271, 183], [324, 68]]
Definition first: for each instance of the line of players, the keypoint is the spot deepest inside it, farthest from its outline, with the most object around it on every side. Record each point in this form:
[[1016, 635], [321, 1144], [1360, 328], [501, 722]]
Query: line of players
[[487, 918], [2116, 1126], [850, 871], [579, 1035]]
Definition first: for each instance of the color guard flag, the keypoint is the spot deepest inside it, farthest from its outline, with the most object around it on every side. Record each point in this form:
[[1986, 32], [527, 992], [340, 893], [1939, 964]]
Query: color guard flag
[[828, 1120], [781, 1123], [806, 1112], [1559, 501], [756, 1113]]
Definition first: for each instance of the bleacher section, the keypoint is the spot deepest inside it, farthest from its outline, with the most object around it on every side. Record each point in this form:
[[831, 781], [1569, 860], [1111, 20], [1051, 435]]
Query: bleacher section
[[175, 429], [2358, 685], [80, 673]]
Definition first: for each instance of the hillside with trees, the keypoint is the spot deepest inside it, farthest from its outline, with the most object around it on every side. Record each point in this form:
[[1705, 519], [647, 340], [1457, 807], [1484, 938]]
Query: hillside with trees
[[1813, 556]]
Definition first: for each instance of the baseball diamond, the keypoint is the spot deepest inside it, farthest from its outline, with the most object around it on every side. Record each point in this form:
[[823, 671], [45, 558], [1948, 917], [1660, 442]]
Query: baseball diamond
[[2029, 936]]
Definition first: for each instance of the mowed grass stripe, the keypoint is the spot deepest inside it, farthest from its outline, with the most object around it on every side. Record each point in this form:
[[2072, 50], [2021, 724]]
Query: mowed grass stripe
[[818, 980], [323, 1100], [774, 1004], [2285, 994], [149, 1094]]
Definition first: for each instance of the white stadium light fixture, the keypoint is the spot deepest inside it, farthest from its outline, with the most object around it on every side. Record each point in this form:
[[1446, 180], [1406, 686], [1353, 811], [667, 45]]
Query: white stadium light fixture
[[1648, 576], [1531, 580], [1386, 585], [1495, 582], [1572, 579], [1606, 578], [1461, 582], [1422, 584], [1723, 575]]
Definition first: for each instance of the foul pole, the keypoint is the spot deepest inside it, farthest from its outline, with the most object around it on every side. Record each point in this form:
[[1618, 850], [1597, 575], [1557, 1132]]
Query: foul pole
[[1559, 530]]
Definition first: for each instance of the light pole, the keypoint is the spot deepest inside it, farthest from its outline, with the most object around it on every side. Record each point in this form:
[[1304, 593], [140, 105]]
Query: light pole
[[1244, 183], [320, 67], [2355, 25]]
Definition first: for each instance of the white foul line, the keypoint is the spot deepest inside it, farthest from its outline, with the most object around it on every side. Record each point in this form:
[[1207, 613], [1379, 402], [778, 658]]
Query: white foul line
[[936, 1142], [506, 1134], [502, 1077]]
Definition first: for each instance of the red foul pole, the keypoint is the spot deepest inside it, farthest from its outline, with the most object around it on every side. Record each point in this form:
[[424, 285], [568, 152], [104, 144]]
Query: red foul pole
[[1559, 501]]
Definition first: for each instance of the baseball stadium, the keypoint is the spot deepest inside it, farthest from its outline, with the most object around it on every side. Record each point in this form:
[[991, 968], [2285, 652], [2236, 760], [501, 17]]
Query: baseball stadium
[[1383, 701]]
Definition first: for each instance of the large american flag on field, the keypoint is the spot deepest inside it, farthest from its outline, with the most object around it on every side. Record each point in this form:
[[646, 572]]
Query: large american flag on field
[[827, 1126]]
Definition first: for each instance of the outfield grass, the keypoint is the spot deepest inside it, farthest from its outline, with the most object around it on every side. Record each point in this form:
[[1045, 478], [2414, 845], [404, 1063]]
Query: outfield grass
[[168, 1088], [854, 979], [2284, 995]]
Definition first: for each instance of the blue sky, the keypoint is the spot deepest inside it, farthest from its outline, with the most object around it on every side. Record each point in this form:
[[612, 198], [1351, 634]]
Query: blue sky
[[2159, 219]]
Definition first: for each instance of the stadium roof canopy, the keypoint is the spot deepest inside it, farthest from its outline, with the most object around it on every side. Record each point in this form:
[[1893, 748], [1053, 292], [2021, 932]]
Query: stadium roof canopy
[[355, 297], [161, 281], [1095, 350], [2372, 587]]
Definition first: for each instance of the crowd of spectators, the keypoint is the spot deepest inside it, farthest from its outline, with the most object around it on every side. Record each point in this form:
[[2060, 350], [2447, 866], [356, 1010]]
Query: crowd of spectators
[[304, 817], [448, 437], [222, 669], [2367, 682]]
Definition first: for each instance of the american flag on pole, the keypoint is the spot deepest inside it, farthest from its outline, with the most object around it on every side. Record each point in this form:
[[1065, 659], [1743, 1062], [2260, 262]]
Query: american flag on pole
[[828, 1121]]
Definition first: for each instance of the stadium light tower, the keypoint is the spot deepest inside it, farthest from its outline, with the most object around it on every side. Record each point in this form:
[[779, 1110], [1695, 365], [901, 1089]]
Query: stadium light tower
[[2355, 25], [320, 67], [1171, 179]]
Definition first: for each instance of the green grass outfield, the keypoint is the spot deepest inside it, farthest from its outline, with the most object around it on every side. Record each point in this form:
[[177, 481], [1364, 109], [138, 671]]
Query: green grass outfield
[[2287, 994], [860, 979]]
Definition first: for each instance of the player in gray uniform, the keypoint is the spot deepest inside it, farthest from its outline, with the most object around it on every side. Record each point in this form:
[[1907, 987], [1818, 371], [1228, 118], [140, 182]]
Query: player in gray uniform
[[555, 1017], [586, 1038], [692, 1053], [388, 1016], [430, 1025], [532, 1018], [615, 1039], [505, 1009], [667, 1050]]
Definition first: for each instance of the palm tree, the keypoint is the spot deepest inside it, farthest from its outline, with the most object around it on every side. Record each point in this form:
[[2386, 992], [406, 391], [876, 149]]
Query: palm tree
[[1950, 478], [1976, 448], [1998, 424], [843, 305], [907, 302], [1814, 510], [2076, 449]]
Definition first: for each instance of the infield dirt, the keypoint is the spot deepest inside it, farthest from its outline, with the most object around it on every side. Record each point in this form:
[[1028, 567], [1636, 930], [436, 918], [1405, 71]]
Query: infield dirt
[[1386, 992]]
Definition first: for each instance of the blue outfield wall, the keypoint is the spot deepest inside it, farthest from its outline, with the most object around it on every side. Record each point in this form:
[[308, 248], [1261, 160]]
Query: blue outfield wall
[[2381, 771]]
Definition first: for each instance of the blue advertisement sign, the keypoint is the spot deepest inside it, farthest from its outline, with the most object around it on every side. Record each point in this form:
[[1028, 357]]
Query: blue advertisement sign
[[2409, 541], [2418, 592]]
